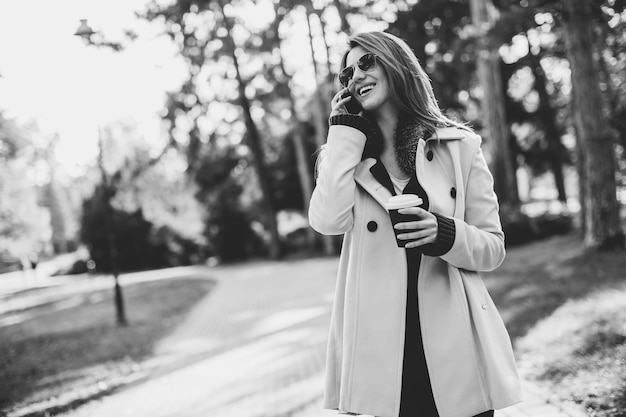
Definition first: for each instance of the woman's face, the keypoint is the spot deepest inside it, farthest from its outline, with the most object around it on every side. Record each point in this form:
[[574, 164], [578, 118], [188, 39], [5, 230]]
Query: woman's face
[[370, 87]]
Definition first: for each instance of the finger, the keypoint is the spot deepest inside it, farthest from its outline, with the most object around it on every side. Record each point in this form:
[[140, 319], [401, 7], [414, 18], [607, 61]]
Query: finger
[[416, 235], [416, 210], [339, 107], [344, 100], [338, 94], [419, 242], [414, 225], [335, 104]]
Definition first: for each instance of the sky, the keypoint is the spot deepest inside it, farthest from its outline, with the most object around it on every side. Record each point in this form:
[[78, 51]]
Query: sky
[[50, 77]]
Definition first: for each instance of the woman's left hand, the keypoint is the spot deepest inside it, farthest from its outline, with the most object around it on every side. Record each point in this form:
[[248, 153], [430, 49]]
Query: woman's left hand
[[420, 232]]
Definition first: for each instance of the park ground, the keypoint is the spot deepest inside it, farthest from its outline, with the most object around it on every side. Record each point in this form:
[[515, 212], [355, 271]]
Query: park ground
[[249, 339]]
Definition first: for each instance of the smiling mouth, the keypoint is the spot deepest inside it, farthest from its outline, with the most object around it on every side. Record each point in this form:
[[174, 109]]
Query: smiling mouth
[[366, 89]]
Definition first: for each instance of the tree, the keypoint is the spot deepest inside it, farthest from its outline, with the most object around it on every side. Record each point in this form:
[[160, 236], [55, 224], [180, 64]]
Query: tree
[[554, 150], [253, 140], [204, 31], [602, 220], [441, 34], [304, 171], [322, 90], [23, 222], [495, 122]]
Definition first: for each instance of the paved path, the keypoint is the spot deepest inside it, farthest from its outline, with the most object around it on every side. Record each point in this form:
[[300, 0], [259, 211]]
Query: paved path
[[254, 347]]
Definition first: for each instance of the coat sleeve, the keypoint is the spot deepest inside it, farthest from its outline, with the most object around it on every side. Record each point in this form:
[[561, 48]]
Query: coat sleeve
[[479, 239], [332, 202]]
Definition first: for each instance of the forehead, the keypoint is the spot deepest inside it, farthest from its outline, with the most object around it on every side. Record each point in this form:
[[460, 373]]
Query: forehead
[[354, 54]]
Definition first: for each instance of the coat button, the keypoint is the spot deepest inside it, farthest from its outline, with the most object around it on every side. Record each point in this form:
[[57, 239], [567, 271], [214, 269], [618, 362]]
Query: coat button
[[372, 226], [453, 192], [484, 306], [429, 155]]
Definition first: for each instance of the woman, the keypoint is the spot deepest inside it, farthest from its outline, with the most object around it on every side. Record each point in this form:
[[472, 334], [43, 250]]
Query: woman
[[414, 331]]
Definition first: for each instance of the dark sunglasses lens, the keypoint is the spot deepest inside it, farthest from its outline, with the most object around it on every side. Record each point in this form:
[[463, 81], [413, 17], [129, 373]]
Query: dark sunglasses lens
[[366, 62], [346, 75]]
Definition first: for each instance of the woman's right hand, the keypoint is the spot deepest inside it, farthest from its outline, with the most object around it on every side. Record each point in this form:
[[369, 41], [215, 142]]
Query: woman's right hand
[[337, 104]]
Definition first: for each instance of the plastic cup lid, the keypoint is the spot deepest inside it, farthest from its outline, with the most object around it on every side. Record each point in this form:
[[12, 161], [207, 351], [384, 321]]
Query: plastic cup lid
[[403, 200]]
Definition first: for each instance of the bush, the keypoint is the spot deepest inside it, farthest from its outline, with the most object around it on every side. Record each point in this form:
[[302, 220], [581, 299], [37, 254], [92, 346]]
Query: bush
[[139, 245], [230, 232], [520, 228], [549, 224]]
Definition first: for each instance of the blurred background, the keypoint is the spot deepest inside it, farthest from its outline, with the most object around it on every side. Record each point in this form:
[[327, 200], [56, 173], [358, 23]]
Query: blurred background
[[197, 123], [141, 135]]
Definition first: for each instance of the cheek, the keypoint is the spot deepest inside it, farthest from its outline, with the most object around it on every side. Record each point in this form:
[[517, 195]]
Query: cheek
[[376, 100], [383, 92]]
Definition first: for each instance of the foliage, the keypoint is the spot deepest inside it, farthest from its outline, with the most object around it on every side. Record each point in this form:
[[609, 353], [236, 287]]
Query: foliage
[[231, 215], [56, 198], [442, 37], [23, 223], [139, 243], [156, 219], [520, 228], [213, 55], [283, 174], [207, 114]]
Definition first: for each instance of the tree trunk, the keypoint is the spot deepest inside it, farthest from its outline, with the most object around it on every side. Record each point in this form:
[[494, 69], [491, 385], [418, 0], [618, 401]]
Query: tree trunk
[[553, 134], [321, 125], [304, 171], [582, 179], [253, 140], [329, 78], [108, 192], [494, 118], [341, 10], [319, 116], [617, 109], [602, 221]]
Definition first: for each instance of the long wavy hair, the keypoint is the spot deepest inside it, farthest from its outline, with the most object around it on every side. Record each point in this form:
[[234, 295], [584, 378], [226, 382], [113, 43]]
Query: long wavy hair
[[412, 91]]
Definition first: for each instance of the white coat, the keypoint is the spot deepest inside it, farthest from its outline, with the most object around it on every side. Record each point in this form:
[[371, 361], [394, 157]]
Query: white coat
[[467, 348]]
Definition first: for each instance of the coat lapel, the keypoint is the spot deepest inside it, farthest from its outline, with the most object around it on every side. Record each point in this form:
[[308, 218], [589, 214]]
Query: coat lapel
[[364, 177]]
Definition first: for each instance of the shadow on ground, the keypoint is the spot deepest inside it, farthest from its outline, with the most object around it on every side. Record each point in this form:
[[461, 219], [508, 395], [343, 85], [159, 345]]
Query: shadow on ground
[[537, 279]]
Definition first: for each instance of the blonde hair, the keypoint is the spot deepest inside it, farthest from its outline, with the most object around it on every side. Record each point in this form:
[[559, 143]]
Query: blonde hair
[[412, 90]]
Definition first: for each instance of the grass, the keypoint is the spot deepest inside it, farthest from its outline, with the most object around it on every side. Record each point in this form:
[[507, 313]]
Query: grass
[[566, 312], [74, 349]]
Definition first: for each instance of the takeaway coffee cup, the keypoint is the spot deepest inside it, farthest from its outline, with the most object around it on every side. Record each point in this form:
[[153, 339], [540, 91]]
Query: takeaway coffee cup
[[398, 202]]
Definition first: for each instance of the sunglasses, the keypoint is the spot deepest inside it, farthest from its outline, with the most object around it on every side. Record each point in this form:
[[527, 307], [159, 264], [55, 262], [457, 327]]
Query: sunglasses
[[365, 63]]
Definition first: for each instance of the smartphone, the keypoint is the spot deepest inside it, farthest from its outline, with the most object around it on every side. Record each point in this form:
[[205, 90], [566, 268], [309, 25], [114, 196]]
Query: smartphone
[[353, 106]]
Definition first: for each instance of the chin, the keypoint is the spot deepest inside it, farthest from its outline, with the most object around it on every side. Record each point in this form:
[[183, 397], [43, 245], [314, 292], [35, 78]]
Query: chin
[[370, 108], [372, 103], [368, 105]]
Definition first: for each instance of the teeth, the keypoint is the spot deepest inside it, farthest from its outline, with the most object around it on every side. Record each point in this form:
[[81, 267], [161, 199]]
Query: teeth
[[365, 89]]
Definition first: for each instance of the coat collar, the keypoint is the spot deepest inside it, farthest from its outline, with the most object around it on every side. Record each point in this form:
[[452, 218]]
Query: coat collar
[[366, 179], [446, 133]]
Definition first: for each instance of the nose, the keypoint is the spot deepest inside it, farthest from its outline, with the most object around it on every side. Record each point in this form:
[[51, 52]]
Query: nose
[[358, 74]]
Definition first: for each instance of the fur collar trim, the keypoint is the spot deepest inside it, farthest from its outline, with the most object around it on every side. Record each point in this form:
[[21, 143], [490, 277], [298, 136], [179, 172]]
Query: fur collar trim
[[407, 135]]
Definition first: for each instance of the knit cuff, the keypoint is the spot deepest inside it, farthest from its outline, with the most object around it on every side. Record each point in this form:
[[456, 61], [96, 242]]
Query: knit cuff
[[445, 237], [352, 120]]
